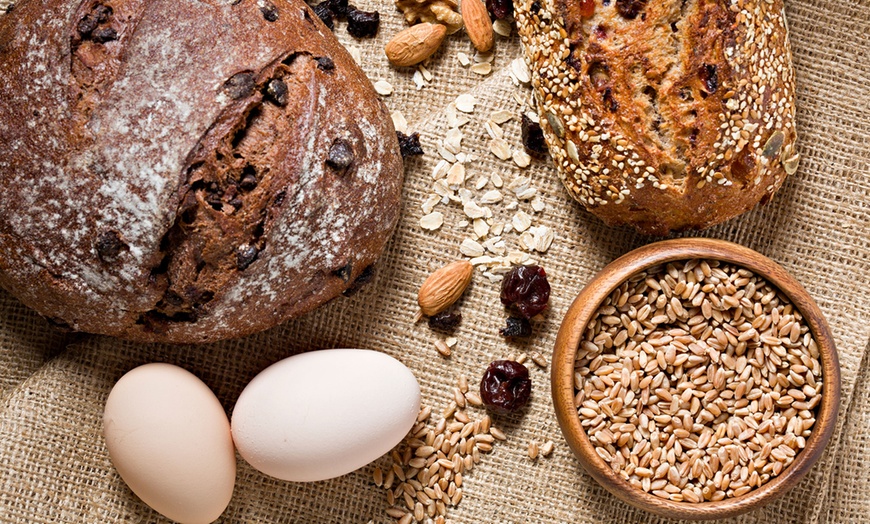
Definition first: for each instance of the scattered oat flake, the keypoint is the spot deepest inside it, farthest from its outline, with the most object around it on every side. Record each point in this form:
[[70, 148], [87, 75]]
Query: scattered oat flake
[[456, 175], [355, 54], [382, 87], [480, 58], [527, 194], [471, 248], [527, 241], [521, 158], [399, 122], [481, 183], [500, 117], [453, 140], [440, 169], [502, 27], [464, 61], [451, 341], [497, 229], [500, 148], [481, 228], [496, 180], [547, 448], [432, 221], [472, 210], [418, 80], [521, 70], [427, 75], [466, 103], [445, 154], [430, 203], [493, 130], [544, 237], [482, 69], [491, 197], [481, 260], [521, 221]]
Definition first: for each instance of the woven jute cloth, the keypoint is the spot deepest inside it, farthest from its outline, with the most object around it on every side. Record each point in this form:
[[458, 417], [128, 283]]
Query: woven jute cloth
[[54, 466]]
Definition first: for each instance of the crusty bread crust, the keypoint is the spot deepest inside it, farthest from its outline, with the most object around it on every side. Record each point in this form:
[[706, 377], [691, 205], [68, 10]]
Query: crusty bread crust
[[186, 171], [665, 115]]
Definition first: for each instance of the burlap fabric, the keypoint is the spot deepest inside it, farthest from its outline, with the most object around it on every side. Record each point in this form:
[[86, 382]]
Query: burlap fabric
[[54, 466]]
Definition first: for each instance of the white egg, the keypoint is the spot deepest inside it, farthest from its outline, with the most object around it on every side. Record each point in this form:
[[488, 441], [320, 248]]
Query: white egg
[[323, 414], [169, 438]]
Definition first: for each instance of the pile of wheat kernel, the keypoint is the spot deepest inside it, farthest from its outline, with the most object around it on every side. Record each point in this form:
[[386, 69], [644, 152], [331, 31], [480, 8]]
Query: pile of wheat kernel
[[697, 381]]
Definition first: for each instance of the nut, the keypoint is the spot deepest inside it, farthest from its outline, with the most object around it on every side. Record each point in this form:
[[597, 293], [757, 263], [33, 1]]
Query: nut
[[415, 44], [432, 11], [444, 287], [477, 24]]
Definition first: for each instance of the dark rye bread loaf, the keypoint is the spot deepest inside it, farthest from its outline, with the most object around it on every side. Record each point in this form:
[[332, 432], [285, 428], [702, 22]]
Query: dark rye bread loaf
[[666, 115], [186, 171]]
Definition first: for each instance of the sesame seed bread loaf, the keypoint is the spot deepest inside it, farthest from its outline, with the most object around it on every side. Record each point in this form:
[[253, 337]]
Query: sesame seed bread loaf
[[665, 115], [186, 171]]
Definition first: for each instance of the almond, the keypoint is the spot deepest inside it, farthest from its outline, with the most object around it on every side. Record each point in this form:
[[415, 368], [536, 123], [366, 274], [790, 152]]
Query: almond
[[477, 24], [444, 287], [415, 44]]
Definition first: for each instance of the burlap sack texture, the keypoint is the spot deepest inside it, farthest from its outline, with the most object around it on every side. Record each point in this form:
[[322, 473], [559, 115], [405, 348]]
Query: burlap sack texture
[[53, 462]]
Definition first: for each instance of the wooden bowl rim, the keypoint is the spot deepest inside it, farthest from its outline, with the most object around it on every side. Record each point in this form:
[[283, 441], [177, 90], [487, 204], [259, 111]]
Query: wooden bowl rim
[[586, 303]]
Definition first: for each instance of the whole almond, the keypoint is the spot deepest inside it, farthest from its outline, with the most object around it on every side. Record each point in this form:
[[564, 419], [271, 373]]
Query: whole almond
[[415, 44], [444, 287], [477, 24]]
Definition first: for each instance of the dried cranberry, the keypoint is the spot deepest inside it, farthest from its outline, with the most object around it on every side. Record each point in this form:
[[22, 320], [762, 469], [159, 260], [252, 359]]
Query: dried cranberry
[[516, 327], [710, 76], [445, 321], [325, 14], [409, 145], [525, 288], [499, 8], [630, 8], [362, 24], [533, 138], [505, 386]]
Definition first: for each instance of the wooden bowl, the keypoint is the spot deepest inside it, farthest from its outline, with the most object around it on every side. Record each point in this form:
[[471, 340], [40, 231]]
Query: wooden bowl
[[585, 306]]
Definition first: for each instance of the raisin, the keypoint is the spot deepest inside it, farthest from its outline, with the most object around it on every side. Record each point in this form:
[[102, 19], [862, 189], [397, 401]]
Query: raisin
[[525, 288], [270, 12], [710, 76], [240, 85], [600, 32], [102, 12], [102, 35], [516, 327], [324, 63], [344, 272], [87, 25], [325, 14], [445, 321], [630, 8], [505, 386], [246, 254], [249, 178], [276, 91], [339, 7], [500, 9], [340, 155], [536, 7], [362, 24], [409, 145], [109, 246], [533, 138]]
